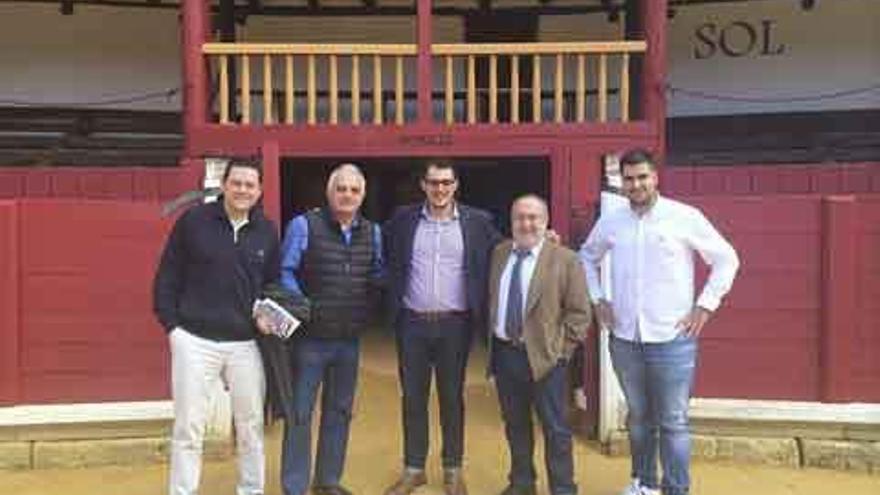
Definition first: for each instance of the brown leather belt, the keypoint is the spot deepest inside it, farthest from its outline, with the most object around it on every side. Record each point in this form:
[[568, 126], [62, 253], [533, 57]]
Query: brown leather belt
[[508, 343], [435, 316]]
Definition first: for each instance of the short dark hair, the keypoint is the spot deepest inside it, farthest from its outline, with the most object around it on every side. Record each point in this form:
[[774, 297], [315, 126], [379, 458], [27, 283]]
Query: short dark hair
[[250, 163], [637, 156], [439, 163]]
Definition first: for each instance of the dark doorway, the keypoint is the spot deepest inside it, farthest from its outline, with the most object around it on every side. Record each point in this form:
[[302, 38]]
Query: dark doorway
[[488, 183], [502, 27]]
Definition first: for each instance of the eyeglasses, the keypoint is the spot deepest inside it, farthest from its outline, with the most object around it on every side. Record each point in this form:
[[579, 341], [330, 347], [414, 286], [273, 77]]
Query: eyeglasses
[[439, 182]]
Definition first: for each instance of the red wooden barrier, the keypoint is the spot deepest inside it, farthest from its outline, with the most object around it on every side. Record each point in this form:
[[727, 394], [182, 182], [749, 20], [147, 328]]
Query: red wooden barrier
[[763, 343], [839, 296], [864, 385], [87, 329], [9, 324], [819, 178], [801, 322], [126, 183]]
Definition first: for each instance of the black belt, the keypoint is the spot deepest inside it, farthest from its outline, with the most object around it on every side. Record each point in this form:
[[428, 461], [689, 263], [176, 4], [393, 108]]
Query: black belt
[[508, 343], [435, 316]]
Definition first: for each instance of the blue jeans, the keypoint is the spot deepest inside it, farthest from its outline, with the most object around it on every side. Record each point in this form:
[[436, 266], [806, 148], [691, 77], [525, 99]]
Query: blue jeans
[[657, 379], [518, 393], [438, 348], [335, 363]]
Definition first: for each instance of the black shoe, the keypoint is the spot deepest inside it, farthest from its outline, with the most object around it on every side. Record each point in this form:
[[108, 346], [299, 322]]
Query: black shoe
[[330, 490], [519, 490]]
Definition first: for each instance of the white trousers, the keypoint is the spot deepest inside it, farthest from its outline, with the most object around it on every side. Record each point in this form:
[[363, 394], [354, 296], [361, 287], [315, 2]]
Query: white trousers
[[196, 365]]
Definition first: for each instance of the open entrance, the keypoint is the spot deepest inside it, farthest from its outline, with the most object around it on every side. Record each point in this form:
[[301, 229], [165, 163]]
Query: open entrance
[[488, 183]]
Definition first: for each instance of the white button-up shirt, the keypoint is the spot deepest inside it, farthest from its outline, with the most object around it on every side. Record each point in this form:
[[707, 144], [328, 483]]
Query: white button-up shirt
[[652, 267], [526, 270]]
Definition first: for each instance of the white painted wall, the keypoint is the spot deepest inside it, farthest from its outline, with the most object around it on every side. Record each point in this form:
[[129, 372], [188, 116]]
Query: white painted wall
[[106, 53], [96, 54], [834, 47]]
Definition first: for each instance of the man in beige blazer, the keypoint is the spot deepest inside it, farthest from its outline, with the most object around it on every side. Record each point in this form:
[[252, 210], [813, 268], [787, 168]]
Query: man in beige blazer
[[538, 313]]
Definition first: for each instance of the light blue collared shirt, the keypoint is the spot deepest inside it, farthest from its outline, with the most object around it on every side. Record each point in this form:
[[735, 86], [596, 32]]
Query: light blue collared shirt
[[436, 276], [527, 269], [296, 242]]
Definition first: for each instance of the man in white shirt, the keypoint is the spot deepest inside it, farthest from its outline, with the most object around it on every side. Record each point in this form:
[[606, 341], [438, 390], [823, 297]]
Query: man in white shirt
[[653, 318]]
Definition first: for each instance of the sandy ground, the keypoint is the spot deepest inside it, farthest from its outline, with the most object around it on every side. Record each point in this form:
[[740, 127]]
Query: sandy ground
[[375, 450]]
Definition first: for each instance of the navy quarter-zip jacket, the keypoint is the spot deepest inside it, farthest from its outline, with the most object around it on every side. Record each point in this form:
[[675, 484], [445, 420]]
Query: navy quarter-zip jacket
[[208, 280]]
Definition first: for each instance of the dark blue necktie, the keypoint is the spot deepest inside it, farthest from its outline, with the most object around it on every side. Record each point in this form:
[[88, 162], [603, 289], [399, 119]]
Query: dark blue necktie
[[513, 320]]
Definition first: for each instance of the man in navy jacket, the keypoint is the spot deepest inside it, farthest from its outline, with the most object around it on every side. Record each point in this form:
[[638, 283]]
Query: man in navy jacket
[[216, 262]]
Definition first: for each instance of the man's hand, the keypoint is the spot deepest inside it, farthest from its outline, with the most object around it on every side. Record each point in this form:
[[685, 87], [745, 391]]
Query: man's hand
[[264, 325], [552, 236], [605, 315], [692, 324]]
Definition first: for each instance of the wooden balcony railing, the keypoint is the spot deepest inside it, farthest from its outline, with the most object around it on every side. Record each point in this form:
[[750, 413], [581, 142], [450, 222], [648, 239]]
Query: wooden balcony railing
[[568, 58], [475, 83], [293, 56]]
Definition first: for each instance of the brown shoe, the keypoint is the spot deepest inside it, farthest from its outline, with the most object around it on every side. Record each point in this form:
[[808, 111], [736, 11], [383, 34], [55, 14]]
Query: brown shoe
[[408, 481], [453, 482]]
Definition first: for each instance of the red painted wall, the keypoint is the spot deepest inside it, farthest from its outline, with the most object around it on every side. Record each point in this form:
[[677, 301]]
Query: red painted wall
[[786, 331], [87, 332], [79, 272], [763, 342], [127, 184], [865, 367], [772, 179], [9, 327]]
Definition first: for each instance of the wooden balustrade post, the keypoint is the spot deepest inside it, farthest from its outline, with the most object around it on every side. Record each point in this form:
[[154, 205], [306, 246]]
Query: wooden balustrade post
[[424, 71], [195, 22]]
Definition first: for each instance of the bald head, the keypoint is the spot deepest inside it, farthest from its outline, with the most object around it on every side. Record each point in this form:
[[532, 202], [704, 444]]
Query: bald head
[[529, 216]]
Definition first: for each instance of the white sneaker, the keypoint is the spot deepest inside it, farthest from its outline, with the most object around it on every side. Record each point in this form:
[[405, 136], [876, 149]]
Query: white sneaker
[[635, 488]]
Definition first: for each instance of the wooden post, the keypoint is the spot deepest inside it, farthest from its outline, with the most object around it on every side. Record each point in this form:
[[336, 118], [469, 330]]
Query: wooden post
[[355, 90], [471, 90], [195, 24], [840, 269], [603, 88], [424, 72], [377, 89], [581, 88], [311, 91], [271, 181], [624, 88], [245, 90], [10, 331], [267, 89], [493, 89], [224, 88], [398, 91], [634, 29], [334, 89], [227, 34], [536, 88], [514, 89], [450, 88], [558, 90], [289, 94], [655, 67]]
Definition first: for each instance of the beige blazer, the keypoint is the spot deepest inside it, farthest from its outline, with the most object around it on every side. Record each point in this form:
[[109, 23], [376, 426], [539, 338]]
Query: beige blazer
[[557, 310]]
